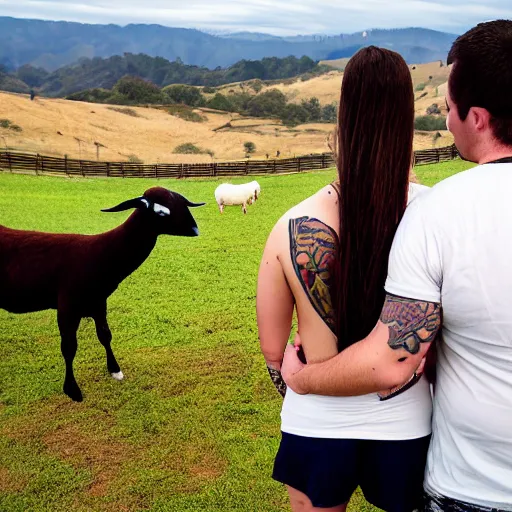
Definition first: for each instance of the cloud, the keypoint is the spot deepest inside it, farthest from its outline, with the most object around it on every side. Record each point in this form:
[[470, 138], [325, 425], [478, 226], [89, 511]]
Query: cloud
[[282, 17]]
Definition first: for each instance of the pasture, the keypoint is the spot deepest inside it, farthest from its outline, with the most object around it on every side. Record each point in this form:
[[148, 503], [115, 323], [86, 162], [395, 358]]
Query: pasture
[[195, 424]]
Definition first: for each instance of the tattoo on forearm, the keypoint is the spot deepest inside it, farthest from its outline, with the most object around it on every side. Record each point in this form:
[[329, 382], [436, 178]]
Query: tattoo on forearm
[[410, 322], [277, 379], [312, 251]]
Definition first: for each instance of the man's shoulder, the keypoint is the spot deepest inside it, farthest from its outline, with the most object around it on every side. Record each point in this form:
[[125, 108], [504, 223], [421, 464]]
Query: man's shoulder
[[447, 193]]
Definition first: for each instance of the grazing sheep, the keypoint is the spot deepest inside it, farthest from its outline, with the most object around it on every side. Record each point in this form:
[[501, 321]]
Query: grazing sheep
[[228, 194], [75, 274]]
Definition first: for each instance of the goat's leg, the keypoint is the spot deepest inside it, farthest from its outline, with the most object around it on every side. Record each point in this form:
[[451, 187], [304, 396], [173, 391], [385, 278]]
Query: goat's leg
[[68, 325], [105, 337], [244, 208]]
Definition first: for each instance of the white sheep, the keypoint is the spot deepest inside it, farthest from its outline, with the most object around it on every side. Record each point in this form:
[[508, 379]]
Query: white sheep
[[228, 194]]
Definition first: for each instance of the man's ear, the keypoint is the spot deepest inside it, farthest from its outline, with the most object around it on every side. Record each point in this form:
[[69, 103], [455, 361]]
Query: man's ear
[[480, 118]]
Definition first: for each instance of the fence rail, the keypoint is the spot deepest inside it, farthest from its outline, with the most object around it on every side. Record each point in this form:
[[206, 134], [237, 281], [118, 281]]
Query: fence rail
[[12, 161]]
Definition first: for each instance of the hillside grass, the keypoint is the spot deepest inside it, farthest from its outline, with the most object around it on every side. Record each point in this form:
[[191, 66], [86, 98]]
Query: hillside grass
[[57, 127], [195, 424]]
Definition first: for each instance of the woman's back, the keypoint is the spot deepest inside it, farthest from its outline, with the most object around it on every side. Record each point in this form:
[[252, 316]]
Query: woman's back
[[306, 251]]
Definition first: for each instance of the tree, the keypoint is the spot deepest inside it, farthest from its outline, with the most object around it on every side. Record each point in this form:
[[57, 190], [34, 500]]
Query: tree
[[220, 102], [240, 101], [137, 90], [249, 147], [313, 109], [269, 103], [185, 94], [188, 148], [430, 123], [294, 114], [329, 113]]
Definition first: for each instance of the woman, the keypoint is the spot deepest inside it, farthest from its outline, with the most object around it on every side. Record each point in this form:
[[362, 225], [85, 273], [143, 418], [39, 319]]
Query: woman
[[327, 259]]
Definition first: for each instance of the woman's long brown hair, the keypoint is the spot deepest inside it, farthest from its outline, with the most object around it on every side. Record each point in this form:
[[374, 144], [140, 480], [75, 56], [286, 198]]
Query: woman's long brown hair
[[374, 139]]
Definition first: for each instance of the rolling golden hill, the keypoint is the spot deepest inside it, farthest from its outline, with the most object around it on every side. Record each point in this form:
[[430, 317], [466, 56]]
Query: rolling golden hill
[[85, 130]]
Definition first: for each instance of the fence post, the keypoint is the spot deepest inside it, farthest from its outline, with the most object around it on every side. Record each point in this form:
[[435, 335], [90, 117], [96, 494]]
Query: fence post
[[108, 169], [66, 165], [247, 166], [42, 164], [9, 160], [274, 167], [323, 161], [122, 169], [37, 164], [156, 170], [215, 169], [181, 171], [438, 156], [82, 168], [298, 164]]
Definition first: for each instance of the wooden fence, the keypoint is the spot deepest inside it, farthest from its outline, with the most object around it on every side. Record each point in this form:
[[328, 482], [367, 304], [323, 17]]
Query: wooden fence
[[12, 161]]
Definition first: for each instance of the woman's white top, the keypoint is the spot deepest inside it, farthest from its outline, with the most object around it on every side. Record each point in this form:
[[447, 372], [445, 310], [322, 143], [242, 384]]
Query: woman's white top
[[405, 416]]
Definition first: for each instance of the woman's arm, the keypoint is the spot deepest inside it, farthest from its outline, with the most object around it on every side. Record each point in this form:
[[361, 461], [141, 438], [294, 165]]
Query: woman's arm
[[274, 307]]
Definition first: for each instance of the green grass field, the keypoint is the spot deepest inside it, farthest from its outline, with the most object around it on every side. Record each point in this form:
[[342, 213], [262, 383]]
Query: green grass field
[[195, 424]]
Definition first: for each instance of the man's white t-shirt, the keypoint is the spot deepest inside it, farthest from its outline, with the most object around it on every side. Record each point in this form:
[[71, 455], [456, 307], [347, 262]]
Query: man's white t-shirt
[[454, 246]]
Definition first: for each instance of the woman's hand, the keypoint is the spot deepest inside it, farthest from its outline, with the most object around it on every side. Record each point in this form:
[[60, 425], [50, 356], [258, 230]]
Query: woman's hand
[[291, 367]]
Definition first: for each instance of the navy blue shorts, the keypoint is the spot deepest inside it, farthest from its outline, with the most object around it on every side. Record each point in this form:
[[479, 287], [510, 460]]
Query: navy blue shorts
[[328, 471]]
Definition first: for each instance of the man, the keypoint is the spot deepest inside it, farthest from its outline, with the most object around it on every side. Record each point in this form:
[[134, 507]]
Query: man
[[452, 256]]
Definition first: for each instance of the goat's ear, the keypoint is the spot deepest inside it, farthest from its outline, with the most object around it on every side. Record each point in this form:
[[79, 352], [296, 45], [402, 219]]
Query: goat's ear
[[193, 205], [128, 205]]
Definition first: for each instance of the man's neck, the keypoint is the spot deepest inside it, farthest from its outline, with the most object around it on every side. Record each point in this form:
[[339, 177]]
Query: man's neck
[[495, 154]]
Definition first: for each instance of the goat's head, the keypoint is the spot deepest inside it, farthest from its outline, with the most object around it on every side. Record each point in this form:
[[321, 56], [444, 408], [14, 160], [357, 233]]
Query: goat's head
[[167, 210]]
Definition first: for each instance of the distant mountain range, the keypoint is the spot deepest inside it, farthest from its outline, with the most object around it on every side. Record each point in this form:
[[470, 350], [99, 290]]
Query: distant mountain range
[[51, 45]]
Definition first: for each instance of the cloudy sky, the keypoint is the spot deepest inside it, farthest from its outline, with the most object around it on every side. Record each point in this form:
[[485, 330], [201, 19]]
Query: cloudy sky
[[281, 17]]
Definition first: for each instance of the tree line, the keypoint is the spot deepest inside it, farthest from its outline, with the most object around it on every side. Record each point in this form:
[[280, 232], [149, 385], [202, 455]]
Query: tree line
[[273, 103], [105, 72]]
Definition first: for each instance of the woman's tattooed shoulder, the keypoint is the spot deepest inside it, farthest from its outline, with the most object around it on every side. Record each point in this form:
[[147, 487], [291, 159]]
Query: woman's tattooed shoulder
[[313, 246]]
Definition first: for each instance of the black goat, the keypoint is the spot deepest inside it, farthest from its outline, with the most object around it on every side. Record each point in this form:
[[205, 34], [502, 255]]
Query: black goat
[[75, 274]]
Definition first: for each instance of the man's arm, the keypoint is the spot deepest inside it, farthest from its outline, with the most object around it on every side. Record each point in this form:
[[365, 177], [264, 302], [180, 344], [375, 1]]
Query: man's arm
[[387, 358], [274, 308]]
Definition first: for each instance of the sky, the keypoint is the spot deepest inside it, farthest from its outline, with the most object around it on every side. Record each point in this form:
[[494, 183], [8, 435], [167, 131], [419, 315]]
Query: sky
[[279, 17]]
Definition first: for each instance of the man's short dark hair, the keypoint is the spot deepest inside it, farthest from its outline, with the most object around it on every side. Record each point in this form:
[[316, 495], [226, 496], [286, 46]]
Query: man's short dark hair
[[482, 74]]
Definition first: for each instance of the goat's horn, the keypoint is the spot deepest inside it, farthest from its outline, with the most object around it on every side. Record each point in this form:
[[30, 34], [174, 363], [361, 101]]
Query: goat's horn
[[194, 205], [128, 205]]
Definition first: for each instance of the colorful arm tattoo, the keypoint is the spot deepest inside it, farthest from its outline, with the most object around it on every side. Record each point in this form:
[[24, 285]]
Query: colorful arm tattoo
[[410, 322], [277, 379], [312, 250]]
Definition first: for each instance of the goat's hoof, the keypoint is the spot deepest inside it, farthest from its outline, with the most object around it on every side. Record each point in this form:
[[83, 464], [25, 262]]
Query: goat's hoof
[[118, 375], [74, 393]]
